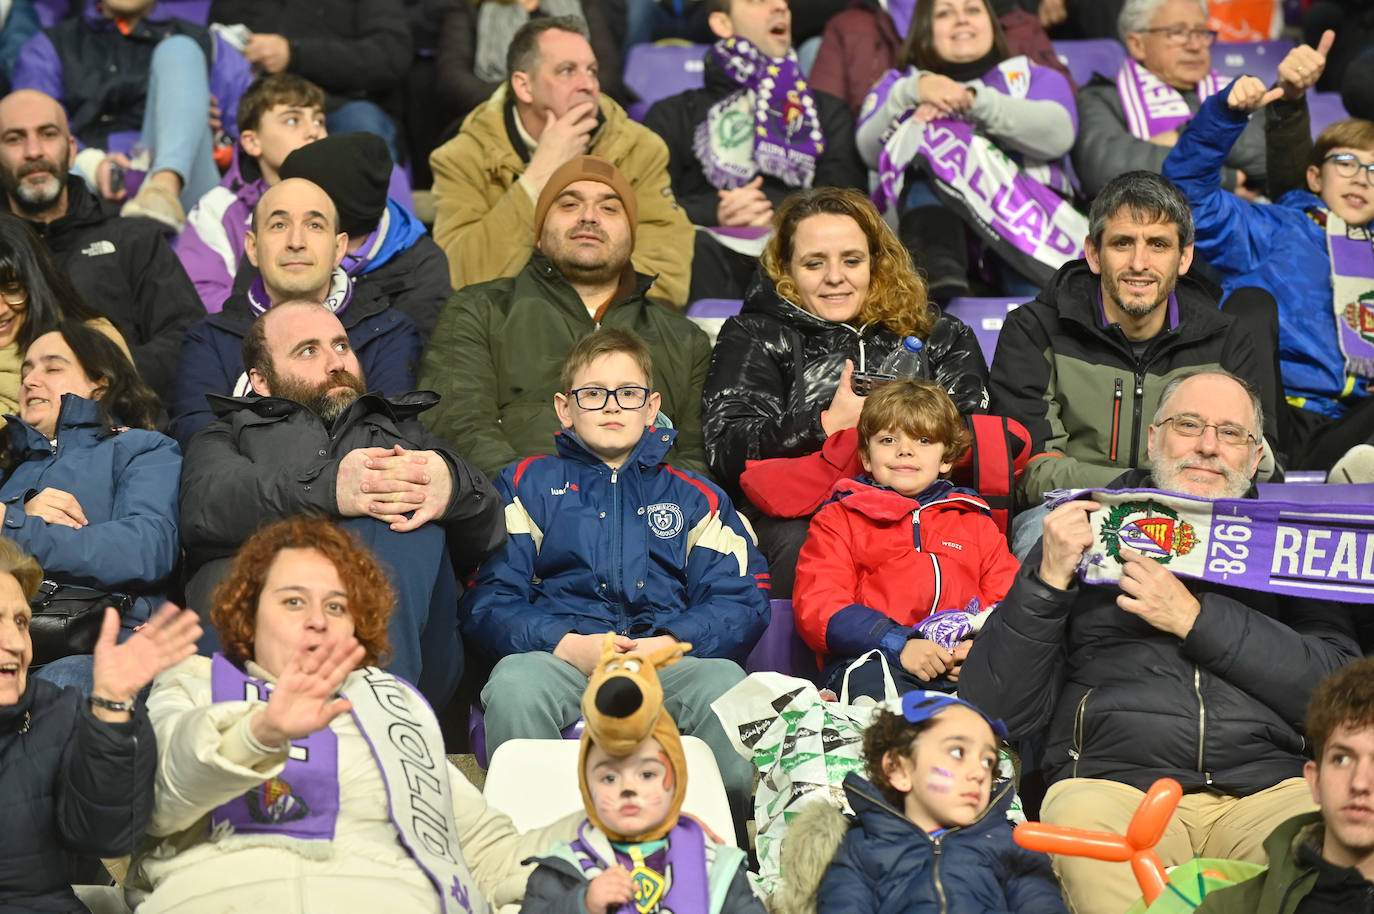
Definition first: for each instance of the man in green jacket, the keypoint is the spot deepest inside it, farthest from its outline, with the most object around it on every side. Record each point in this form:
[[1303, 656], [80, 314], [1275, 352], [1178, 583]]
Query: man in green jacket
[[497, 352], [1323, 862]]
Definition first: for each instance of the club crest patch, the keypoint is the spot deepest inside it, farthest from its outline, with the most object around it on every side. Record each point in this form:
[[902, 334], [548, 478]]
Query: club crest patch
[[1359, 317], [1148, 527], [274, 802], [665, 519]]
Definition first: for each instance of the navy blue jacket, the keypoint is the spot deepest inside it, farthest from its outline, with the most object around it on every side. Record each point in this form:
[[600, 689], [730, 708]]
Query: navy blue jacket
[[644, 550], [385, 340], [888, 864], [126, 483], [1276, 246]]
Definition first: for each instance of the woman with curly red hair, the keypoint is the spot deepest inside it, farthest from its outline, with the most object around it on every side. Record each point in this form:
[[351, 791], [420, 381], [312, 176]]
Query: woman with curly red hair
[[294, 775]]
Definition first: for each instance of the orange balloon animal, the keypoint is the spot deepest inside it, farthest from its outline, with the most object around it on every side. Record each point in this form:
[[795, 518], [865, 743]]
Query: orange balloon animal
[[1136, 846]]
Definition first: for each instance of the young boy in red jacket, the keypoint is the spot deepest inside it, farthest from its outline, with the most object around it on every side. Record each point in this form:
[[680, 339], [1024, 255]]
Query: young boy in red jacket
[[901, 560]]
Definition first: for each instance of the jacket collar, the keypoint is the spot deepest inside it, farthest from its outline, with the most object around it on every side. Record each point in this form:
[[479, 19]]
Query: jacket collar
[[649, 453], [762, 298], [398, 408], [541, 279], [864, 496], [77, 417], [882, 818], [1073, 293], [365, 301]]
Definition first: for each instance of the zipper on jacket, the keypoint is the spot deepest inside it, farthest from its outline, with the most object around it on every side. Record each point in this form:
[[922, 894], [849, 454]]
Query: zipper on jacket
[[939, 584], [617, 573], [1201, 720], [1116, 421], [935, 874], [1138, 408], [1076, 750]]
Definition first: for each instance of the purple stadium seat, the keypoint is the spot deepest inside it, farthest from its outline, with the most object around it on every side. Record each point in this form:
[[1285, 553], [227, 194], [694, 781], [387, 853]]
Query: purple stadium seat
[[655, 71], [984, 316], [51, 12], [1325, 109], [1256, 58], [781, 649], [1089, 56], [477, 733], [714, 307], [1335, 494]]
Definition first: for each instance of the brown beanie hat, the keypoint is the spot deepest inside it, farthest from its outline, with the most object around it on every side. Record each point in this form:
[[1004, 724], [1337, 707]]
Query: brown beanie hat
[[586, 168]]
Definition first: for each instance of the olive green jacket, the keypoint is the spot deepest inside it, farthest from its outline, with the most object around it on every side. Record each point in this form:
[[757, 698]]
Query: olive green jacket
[[496, 357], [1279, 889]]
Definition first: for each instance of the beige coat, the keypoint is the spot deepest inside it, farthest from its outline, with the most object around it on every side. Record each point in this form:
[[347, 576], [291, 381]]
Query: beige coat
[[206, 756], [485, 217]]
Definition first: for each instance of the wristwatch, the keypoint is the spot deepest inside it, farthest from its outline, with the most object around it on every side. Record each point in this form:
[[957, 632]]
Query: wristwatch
[[109, 705]]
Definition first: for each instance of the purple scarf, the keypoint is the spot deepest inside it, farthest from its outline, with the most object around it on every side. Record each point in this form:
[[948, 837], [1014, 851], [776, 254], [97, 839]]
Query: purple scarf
[[683, 861], [769, 125], [1351, 250], [1153, 106]]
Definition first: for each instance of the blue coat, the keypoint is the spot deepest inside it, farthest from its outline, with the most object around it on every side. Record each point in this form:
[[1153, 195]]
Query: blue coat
[[1275, 246], [127, 485], [888, 865], [644, 550]]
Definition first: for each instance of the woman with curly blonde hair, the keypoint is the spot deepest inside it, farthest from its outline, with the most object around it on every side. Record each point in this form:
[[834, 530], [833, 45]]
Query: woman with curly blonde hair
[[836, 295], [292, 773]]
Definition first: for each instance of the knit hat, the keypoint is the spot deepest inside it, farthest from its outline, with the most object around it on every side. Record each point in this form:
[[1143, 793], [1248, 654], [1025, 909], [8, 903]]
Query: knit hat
[[586, 168], [354, 169], [622, 707]]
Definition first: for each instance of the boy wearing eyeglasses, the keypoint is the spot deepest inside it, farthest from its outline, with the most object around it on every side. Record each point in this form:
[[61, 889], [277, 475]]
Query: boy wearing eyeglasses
[[605, 536], [1312, 250]]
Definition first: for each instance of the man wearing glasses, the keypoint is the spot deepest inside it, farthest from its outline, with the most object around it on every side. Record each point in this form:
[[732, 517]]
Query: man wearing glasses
[[496, 351], [1312, 250], [1160, 676], [1131, 119]]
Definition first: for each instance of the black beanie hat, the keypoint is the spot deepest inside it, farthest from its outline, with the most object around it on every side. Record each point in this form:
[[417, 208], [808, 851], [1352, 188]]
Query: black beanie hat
[[354, 169]]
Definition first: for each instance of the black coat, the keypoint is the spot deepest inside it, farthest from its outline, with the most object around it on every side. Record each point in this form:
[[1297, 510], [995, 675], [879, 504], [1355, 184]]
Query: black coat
[[1221, 709], [676, 119], [125, 270], [70, 783], [775, 368]]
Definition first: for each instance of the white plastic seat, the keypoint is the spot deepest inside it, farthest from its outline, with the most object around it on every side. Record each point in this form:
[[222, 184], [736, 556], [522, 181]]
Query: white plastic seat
[[534, 781]]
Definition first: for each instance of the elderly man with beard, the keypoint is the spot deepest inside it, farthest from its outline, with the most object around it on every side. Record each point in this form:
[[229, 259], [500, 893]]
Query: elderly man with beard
[[1158, 676], [496, 354], [311, 439], [295, 242]]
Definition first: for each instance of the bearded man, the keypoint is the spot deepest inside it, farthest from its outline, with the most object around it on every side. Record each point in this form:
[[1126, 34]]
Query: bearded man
[[311, 439]]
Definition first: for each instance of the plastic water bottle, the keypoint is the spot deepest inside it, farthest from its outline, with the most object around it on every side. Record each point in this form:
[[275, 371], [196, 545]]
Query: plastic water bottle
[[907, 360]]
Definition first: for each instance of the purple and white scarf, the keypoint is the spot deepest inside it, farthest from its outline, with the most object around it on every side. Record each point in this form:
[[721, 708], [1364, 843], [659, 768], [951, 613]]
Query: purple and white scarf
[[1351, 249], [1152, 106], [769, 125], [1321, 551], [682, 866], [1030, 224], [299, 807]]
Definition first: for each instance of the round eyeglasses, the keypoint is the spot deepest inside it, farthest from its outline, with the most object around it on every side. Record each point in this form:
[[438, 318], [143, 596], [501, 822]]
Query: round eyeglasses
[[1347, 165]]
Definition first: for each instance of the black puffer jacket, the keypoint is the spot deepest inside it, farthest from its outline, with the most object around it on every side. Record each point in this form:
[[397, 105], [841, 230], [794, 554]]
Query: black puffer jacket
[[776, 366], [69, 782], [1221, 709]]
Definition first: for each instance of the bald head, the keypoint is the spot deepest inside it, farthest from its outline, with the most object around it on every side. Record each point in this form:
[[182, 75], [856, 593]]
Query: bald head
[[294, 241], [300, 351], [36, 150]]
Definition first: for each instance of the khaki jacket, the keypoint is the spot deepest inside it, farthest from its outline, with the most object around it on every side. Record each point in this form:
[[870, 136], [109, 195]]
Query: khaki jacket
[[485, 218]]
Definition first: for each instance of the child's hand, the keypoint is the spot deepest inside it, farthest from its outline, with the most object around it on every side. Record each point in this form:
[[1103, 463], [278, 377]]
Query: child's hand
[[925, 659], [960, 655], [611, 888]]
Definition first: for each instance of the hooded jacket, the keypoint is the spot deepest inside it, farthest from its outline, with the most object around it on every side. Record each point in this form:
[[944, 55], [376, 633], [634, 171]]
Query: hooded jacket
[[775, 367], [876, 563], [888, 863], [386, 342], [1220, 710], [485, 216], [126, 484], [211, 246], [68, 782], [125, 270], [1079, 388], [1279, 247], [404, 265], [644, 550], [675, 119], [496, 359]]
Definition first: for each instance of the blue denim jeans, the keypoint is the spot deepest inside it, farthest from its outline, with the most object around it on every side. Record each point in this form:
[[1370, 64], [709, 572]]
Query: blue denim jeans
[[176, 119], [364, 117]]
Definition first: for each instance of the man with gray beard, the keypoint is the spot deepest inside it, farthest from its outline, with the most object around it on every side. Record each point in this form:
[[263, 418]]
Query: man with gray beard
[[310, 439], [1158, 676]]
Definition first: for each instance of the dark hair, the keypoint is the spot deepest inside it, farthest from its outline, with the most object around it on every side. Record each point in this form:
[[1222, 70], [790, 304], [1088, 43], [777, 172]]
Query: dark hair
[[918, 49], [605, 341], [125, 399], [370, 597], [273, 89], [21, 566], [25, 260], [1345, 698], [523, 53], [890, 732], [1149, 197]]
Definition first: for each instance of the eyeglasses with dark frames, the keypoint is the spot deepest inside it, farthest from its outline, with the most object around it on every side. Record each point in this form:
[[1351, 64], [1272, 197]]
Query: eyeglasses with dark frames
[[1347, 165], [628, 397]]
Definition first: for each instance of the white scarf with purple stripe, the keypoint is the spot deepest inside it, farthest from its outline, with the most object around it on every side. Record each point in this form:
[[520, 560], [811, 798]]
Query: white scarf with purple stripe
[[1153, 106]]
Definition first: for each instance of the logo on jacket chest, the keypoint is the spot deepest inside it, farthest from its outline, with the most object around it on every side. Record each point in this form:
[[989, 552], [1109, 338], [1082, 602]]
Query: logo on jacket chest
[[665, 520], [96, 248]]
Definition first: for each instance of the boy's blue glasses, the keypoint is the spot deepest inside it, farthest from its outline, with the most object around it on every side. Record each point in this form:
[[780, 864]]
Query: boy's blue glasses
[[1348, 165]]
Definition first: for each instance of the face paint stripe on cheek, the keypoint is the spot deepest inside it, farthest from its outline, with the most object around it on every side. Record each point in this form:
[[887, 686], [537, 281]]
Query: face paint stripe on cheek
[[938, 777]]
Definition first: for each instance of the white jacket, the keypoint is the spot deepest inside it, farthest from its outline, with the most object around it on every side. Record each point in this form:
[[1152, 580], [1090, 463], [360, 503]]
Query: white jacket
[[207, 756]]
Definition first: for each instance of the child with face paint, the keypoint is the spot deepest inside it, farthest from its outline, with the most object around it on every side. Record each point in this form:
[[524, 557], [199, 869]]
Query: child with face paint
[[635, 854], [930, 833]]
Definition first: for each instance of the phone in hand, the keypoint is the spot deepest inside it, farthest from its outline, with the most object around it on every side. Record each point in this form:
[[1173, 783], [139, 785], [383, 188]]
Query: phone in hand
[[116, 178]]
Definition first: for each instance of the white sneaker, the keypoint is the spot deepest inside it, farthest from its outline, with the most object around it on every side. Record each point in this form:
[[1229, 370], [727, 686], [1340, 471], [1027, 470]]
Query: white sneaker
[[1355, 465]]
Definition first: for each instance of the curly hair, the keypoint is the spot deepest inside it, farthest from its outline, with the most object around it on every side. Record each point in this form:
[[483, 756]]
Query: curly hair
[[890, 733], [896, 292], [370, 597], [1345, 698]]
